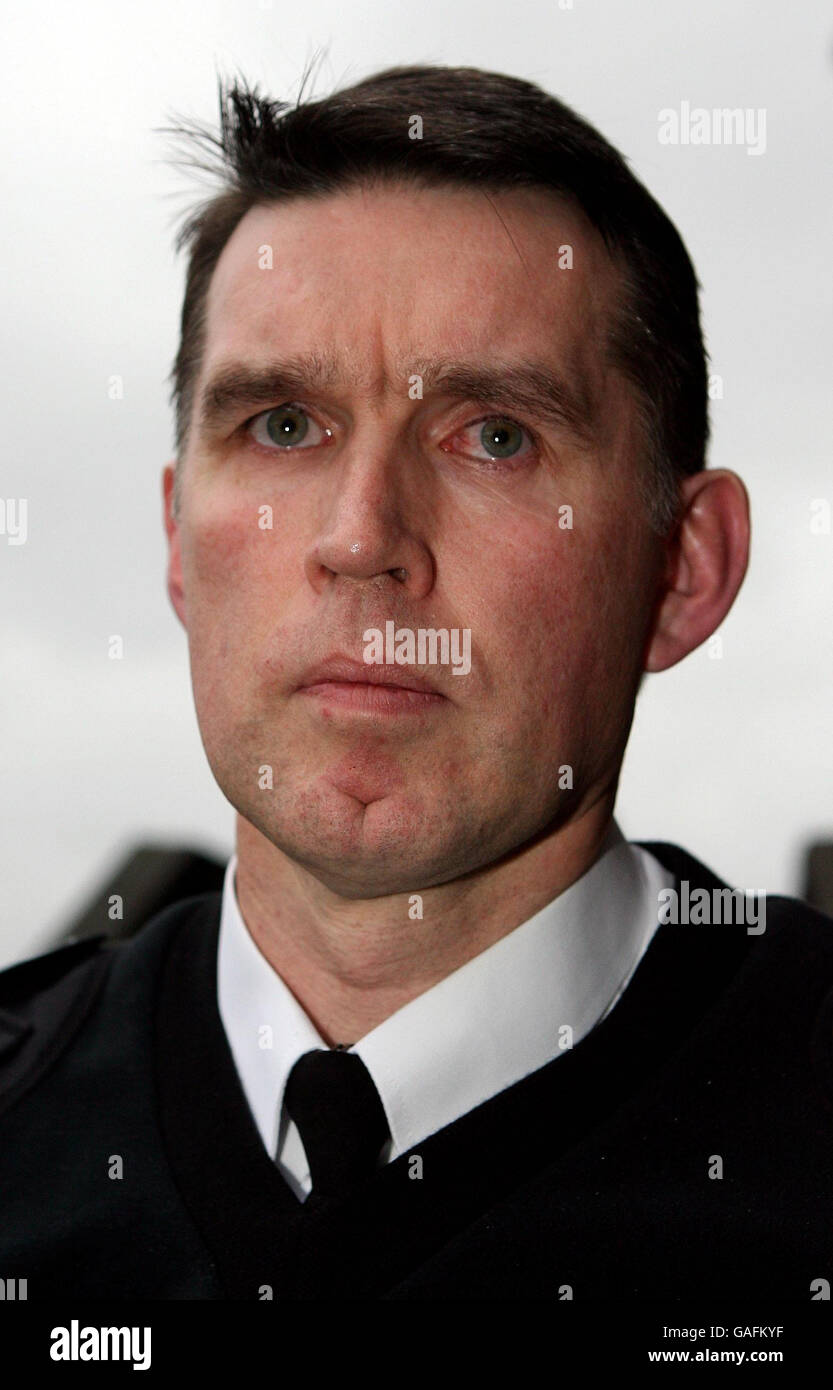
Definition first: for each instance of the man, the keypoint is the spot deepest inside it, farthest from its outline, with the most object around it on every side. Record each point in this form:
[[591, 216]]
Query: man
[[439, 502]]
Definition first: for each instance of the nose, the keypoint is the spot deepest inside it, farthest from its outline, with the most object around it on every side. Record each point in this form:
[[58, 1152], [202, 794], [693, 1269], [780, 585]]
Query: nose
[[370, 523]]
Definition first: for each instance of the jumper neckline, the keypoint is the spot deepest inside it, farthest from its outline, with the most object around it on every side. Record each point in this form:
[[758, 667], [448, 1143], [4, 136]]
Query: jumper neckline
[[262, 1238]]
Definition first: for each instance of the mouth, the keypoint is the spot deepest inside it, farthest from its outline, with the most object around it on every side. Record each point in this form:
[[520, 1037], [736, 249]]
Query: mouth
[[370, 689]]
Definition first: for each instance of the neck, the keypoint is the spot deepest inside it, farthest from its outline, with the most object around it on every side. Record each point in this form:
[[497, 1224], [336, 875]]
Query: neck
[[351, 963]]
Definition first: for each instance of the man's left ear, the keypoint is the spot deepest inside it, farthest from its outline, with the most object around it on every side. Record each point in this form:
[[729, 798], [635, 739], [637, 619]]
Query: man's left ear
[[176, 591], [706, 561]]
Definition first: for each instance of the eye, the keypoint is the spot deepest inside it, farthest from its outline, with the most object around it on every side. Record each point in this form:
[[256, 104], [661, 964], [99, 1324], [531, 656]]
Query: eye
[[500, 436], [286, 426]]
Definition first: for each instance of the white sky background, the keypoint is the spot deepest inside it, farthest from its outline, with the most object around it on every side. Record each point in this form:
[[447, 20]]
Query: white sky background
[[731, 758]]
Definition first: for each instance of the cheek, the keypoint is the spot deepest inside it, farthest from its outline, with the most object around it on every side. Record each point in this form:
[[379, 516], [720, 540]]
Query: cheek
[[528, 605], [231, 582], [553, 617]]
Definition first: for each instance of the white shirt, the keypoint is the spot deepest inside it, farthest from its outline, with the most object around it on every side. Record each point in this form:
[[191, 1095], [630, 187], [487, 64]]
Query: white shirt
[[485, 1026]]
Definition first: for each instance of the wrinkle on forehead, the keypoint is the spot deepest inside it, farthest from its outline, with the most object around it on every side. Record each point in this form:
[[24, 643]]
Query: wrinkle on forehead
[[373, 280]]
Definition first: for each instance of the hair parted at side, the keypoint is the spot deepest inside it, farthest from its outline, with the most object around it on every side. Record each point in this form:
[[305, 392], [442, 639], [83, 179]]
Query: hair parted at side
[[480, 129]]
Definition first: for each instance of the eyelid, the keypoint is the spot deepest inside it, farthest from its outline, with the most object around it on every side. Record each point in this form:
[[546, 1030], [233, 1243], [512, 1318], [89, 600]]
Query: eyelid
[[287, 404]]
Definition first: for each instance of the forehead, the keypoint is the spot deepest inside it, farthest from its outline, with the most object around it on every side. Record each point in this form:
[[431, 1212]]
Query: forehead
[[379, 277]]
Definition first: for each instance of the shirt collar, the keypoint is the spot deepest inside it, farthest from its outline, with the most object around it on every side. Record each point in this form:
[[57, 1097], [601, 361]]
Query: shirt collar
[[505, 1013]]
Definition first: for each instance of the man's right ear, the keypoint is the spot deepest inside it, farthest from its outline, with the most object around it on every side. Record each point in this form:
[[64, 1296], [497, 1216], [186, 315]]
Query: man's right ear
[[176, 589]]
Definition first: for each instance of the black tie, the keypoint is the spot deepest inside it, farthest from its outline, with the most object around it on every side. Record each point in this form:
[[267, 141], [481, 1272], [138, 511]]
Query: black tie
[[340, 1117]]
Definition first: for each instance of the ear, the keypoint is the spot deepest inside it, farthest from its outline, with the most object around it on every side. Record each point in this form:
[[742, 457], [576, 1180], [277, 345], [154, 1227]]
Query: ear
[[176, 589], [706, 559]]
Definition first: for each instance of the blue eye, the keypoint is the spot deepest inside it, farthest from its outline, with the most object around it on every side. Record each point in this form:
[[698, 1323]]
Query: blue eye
[[501, 438], [286, 426]]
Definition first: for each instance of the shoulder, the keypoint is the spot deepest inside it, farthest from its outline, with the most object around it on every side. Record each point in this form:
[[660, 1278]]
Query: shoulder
[[781, 912], [781, 962], [43, 1001], [781, 930], [46, 999]]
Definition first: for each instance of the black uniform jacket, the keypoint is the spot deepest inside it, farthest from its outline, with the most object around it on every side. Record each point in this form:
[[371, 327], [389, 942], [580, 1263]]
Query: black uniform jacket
[[684, 1148]]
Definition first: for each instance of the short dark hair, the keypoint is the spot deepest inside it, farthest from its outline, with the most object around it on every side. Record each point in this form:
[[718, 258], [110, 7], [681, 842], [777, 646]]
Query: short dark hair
[[484, 130]]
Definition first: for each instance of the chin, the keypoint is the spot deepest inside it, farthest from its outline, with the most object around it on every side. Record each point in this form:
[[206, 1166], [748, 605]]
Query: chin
[[393, 845]]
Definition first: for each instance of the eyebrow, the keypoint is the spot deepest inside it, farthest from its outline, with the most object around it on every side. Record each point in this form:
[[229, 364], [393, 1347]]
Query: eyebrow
[[529, 388]]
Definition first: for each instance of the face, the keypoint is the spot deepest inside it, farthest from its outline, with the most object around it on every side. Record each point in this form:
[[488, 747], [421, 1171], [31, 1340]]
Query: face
[[435, 441]]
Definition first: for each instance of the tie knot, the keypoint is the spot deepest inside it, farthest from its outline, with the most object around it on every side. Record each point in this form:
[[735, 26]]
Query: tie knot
[[340, 1117]]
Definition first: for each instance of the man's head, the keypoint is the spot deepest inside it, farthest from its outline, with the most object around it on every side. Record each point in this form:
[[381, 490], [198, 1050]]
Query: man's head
[[441, 339]]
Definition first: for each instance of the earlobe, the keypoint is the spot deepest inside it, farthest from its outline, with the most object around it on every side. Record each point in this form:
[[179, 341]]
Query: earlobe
[[175, 586], [706, 561]]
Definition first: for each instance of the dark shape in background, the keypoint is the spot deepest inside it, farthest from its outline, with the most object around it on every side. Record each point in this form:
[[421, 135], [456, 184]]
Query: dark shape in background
[[818, 876], [148, 879]]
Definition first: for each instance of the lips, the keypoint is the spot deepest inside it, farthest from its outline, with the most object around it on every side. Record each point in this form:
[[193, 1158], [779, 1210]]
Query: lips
[[343, 670]]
